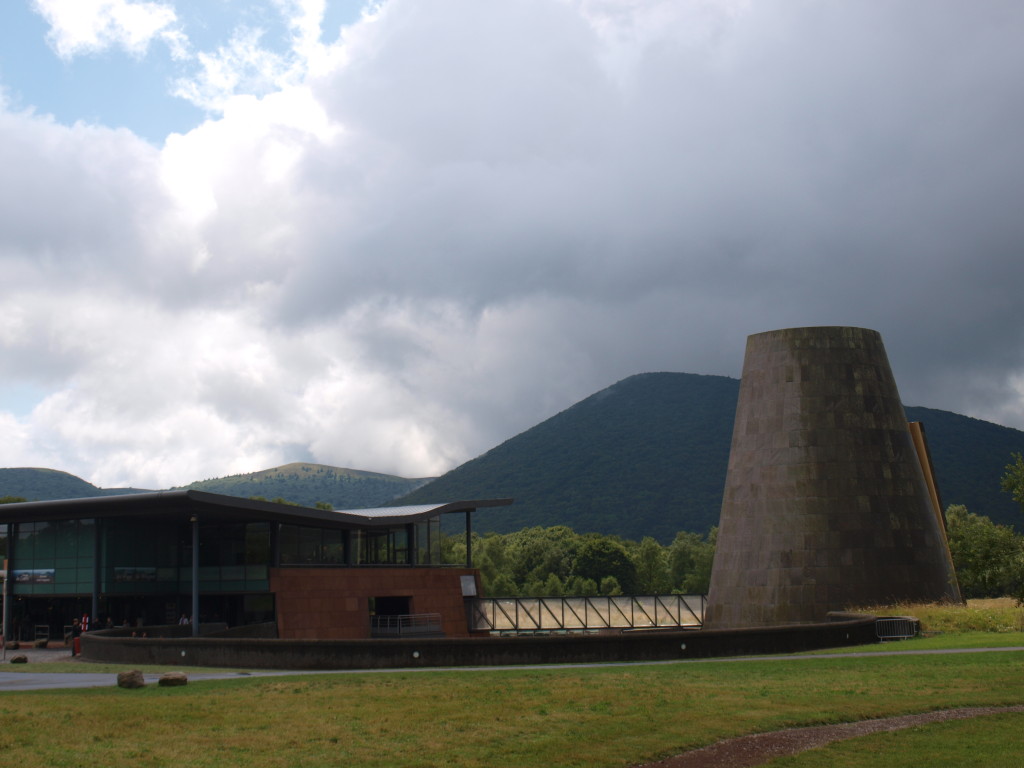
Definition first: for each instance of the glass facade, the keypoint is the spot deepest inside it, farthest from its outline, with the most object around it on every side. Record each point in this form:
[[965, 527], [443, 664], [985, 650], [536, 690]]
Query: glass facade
[[305, 545], [137, 568], [428, 541], [414, 544], [233, 557], [54, 557]]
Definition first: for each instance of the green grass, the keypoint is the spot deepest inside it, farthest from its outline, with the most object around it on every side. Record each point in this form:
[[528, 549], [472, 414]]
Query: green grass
[[991, 741], [598, 716], [605, 716], [936, 642]]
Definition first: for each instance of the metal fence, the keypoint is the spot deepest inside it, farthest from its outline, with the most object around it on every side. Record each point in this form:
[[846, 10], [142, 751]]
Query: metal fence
[[580, 614], [406, 625], [896, 628]]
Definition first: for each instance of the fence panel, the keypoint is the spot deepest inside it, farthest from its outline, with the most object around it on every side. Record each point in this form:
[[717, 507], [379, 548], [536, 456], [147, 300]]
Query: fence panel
[[568, 614]]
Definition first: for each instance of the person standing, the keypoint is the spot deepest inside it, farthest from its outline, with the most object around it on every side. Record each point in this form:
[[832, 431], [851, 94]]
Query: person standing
[[76, 636]]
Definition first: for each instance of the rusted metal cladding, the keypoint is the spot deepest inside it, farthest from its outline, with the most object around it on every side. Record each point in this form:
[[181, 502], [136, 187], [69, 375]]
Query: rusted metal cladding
[[825, 504]]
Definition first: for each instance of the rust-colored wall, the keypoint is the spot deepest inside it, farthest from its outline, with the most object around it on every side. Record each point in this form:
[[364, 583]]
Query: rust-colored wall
[[333, 603]]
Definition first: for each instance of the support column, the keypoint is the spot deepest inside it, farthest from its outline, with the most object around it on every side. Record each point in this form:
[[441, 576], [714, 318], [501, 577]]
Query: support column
[[195, 575], [12, 553], [96, 552], [411, 544]]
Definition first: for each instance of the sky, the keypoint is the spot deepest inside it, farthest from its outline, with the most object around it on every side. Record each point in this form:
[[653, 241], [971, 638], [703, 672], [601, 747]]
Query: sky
[[390, 235]]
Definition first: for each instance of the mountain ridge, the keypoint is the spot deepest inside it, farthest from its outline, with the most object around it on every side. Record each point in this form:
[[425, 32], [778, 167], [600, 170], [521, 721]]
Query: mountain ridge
[[558, 471], [646, 456]]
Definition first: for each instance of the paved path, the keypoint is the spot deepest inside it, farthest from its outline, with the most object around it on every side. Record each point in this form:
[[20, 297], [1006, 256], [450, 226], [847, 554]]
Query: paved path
[[35, 681], [26, 681]]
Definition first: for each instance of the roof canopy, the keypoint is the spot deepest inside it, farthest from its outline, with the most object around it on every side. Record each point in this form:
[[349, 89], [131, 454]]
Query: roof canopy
[[215, 506]]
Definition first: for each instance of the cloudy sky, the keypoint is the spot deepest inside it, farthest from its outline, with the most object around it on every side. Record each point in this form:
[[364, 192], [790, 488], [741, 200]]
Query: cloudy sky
[[390, 235]]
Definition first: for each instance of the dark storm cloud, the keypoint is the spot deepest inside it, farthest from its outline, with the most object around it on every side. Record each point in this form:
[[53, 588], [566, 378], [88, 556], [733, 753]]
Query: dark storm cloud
[[512, 205]]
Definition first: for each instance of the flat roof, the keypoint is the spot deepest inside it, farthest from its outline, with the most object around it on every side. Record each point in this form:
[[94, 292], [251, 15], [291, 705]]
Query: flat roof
[[221, 507]]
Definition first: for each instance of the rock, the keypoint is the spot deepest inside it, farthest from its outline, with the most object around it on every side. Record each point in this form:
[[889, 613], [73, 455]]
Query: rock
[[19, 659], [173, 678], [130, 679]]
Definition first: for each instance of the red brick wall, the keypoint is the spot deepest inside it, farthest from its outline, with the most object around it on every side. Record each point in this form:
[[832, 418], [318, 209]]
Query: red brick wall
[[333, 603]]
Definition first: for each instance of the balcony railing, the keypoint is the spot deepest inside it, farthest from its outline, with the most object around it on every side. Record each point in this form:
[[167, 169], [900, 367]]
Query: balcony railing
[[406, 625]]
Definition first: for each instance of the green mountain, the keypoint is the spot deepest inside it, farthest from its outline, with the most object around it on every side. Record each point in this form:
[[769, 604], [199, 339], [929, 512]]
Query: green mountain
[[307, 484], [304, 484], [37, 484], [644, 457], [648, 456]]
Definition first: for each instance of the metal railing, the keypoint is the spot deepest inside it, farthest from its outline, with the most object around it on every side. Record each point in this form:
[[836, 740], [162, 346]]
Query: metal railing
[[582, 614], [896, 628], [406, 625]]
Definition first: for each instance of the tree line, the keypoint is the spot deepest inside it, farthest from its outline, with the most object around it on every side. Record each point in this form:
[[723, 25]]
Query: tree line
[[559, 562]]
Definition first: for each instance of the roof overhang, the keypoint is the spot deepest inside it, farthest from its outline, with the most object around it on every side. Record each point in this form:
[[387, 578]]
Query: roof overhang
[[214, 506]]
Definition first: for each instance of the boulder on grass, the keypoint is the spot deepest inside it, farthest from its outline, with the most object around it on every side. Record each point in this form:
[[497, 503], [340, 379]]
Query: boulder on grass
[[173, 678], [131, 678], [19, 659]]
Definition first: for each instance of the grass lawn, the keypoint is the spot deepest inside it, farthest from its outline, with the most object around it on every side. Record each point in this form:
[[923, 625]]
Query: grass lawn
[[605, 716], [992, 741], [598, 716]]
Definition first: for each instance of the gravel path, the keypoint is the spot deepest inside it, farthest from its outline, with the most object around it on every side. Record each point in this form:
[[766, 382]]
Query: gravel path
[[759, 748]]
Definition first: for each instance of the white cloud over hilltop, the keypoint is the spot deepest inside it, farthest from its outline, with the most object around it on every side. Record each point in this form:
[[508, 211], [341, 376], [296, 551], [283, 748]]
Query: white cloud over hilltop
[[393, 250]]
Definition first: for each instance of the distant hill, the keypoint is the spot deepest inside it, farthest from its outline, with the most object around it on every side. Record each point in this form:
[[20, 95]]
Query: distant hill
[[304, 484], [307, 484], [648, 457], [36, 484], [645, 457]]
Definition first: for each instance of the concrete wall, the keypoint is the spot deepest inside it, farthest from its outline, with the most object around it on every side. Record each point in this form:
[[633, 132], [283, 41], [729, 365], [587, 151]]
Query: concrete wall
[[333, 603], [658, 645], [825, 505]]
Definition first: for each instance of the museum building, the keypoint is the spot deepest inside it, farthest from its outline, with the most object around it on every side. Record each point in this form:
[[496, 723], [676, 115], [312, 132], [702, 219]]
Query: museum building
[[162, 558]]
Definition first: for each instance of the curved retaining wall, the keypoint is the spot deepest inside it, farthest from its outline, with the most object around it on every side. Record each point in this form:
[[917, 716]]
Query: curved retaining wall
[[656, 645]]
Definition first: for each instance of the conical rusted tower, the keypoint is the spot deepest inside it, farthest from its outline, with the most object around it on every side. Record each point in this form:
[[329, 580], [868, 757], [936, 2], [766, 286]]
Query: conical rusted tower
[[825, 503]]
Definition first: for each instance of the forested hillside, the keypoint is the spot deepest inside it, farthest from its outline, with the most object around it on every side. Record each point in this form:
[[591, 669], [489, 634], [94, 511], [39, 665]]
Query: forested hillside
[[37, 484], [648, 457], [305, 484], [309, 484], [644, 457]]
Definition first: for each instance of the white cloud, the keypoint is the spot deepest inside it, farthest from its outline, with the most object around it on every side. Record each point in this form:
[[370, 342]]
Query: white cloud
[[247, 66], [396, 251], [89, 26]]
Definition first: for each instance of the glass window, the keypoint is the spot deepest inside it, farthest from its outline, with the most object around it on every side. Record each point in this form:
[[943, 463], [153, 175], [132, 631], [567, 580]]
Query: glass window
[[301, 545], [257, 543]]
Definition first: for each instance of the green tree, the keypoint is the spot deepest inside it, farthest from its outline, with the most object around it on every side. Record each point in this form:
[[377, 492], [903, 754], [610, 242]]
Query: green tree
[[610, 586], [532, 554], [602, 557], [652, 573], [577, 587], [989, 558], [1013, 479], [553, 586], [11, 499], [690, 557]]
